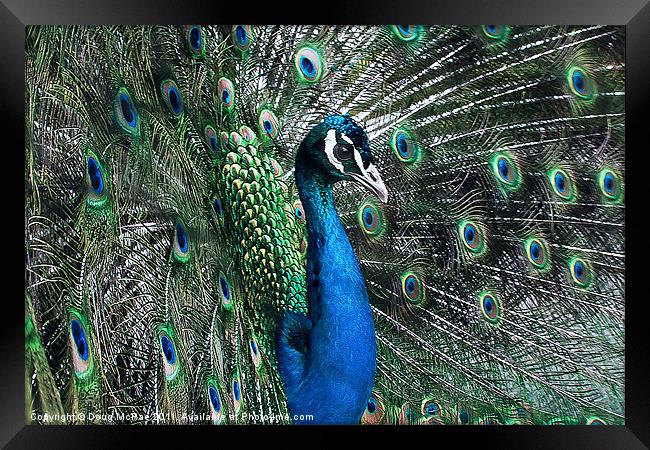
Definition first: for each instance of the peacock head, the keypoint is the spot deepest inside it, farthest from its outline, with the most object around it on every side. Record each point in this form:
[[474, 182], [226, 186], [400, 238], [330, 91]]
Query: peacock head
[[338, 149]]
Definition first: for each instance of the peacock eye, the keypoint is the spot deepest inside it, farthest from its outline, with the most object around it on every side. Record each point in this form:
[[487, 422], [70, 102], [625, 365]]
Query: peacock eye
[[241, 37], [124, 112], [224, 140], [562, 184], [370, 218], [308, 64], [343, 152], [579, 83], [268, 124], [225, 292], [403, 146], [471, 236], [463, 415], [195, 40], [247, 134], [374, 410], [412, 288], [215, 403], [537, 253], [172, 97], [95, 180], [405, 32], [493, 31], [595, 421], [235, 390], [504, 169], [610, 184], [168, 351], [226, 92], [430, 408], [235, 140], [299, 211], [80, 346], [255, 352], [489, 307], [275, 167], [218, 207], [181, 244], [580, 272], [212, 139]]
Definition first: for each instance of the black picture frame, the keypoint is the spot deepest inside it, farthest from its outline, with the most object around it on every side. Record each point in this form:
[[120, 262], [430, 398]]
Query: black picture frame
[[634, 14]]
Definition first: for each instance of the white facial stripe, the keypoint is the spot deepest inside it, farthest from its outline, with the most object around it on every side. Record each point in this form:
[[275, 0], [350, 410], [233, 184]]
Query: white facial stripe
[[330, 143], [357, 158], [346, 139]]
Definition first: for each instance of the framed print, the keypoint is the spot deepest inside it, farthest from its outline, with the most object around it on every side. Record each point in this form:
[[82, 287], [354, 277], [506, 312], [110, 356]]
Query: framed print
[[354, 223]]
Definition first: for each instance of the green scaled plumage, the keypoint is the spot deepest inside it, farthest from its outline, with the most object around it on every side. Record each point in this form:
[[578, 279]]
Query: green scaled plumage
[[165, 237]]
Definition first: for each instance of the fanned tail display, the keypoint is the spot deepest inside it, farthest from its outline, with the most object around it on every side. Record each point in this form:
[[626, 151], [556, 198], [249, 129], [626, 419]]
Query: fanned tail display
[[177, 183]]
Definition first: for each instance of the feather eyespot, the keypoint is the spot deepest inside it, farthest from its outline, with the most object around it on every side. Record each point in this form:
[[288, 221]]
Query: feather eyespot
[[580, 272], [562, 184], [374, 411], [247, 134], [505, 170], [406, 32], [95, 180], [225, 292], [268, 124], [276, 168], [404, 147], [181, 243], [370, 218], [125, 113], [241, 37], [537, 253], [235, 140], [471, 236], [172, 97], [224, 140], [299, 211], [489, 307], [595, 421], [519, 414], [80, 345], [212, 140], [255, 352], [408, 415], [218, 207], [168, 352], [303, 247], [430, 408], [194, 34], [610, 184], [463, 415], [235, 390], [308, 64], [580, 84], [412, 288], [496, 32], [226, 92], [215, 403]]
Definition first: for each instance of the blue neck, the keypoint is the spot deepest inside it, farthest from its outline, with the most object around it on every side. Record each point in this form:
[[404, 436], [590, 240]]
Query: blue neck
[[338, 366]]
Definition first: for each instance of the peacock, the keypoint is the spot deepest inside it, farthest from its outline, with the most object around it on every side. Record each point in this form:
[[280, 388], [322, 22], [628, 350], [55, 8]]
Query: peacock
[[399, 224]]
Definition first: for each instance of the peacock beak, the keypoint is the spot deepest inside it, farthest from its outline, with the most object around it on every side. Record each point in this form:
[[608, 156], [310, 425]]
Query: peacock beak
[[370, 178]]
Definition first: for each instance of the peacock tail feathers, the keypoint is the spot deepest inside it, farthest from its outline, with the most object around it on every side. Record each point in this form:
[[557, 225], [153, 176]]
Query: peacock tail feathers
[[166, 238]]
